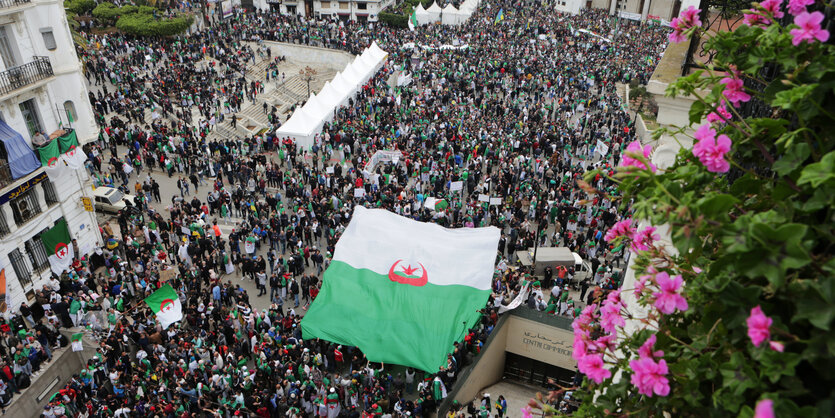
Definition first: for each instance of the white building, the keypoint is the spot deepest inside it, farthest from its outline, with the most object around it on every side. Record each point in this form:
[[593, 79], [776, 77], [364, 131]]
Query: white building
[[346, 10], [644, 9], [41, 89]]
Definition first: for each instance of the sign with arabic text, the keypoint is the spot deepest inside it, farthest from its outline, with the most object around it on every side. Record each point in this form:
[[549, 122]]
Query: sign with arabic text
[[22, 188], [541, 342]]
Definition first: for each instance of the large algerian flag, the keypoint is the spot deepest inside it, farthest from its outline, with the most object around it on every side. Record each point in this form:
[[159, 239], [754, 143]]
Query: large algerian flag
[[76, 341], [403, 291], [58, 245], [166, 305]]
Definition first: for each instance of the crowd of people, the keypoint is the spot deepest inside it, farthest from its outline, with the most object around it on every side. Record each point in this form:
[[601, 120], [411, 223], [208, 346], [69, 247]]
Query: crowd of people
[[519, 110]]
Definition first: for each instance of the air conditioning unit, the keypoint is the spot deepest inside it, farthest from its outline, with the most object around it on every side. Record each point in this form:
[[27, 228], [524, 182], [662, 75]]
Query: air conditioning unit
[[25, 209]]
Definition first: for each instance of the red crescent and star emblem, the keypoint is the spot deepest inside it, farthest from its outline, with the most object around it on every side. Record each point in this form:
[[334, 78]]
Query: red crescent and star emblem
[[71, 151], [61, 250], [166, 305], [406, 274], [52, 161]]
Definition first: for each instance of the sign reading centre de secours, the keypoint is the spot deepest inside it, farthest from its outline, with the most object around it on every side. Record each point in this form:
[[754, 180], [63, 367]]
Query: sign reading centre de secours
[[541, 342]]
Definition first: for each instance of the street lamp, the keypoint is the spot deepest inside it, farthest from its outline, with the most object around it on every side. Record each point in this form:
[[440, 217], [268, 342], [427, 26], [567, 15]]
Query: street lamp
[[307, 74]]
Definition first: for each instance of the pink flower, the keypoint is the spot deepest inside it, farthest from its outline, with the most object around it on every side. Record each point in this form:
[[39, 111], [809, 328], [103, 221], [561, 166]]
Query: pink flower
[[773, 7], [721, 115], [622, 228], [735, 90], [649, 377], [797, 7], [610, 316], [776, 346], [592, 366], [635, 148], [526, 412], [668, 300], [810, 28], [579, 347], [645, 239], [764, 409], [755, 19], [646, 349], [690, 17], [711, 152], [677, 35], [640, 285], [758, 326]]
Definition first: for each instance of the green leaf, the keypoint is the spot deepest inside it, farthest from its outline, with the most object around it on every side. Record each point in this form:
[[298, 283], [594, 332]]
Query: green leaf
[[697, 109], [819, 172], [716, 206], [794, 157]]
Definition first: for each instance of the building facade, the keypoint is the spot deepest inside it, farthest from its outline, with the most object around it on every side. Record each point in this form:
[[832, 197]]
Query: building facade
[[42, 91], [345, 10], [664, 10]]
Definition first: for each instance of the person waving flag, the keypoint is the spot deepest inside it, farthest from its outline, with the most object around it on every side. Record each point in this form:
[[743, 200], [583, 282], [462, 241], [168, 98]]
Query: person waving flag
[[166, 305]]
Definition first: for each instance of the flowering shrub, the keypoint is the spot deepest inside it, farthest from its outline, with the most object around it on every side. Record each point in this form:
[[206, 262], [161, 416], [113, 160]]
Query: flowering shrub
[[735, 317]]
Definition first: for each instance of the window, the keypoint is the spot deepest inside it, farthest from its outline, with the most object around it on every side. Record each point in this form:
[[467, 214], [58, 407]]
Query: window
[[21, 269], [325, 4], [362, 6], [37, 253], [49, 192], [4, 226], [25, 207], [29, 110], [344, 6], [69, 111], [7, 51], [48, 38]]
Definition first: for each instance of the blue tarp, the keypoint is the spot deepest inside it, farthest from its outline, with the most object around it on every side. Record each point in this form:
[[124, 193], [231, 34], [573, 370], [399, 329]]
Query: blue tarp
[[22, 160]]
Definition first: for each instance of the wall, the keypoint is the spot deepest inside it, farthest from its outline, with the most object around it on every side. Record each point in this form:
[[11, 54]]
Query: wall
[[330, 58], [65, 363], [82, 226], [570, 6], [523, 331], [486, 370], [540, 342]]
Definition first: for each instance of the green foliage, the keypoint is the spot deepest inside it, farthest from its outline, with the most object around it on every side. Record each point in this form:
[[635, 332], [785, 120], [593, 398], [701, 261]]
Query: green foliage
[[80, 7], [106, 13], [762, 234], [397, 20], [141, 20], [143, 24]]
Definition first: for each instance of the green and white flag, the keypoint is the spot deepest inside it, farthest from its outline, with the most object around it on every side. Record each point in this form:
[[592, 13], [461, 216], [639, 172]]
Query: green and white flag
[[58, 245], [413, 21], [403, 291], [166, 305], [76, 342]]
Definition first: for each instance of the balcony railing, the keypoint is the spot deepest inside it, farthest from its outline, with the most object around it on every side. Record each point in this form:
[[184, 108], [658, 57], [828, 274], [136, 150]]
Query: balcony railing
[[22, 75], [12, 3]]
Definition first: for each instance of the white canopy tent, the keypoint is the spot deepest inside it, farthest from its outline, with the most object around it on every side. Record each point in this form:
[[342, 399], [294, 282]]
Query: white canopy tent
[[450, 15], [434, 12], [307, 121], [422, 15]]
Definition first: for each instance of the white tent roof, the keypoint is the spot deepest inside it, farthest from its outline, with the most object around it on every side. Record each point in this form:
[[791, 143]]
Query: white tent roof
[[434, 12], [377, 51]]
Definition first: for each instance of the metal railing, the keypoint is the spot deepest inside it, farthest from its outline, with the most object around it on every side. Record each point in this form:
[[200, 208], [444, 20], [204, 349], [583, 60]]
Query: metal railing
[[5, 174], [22, 75], [12, 3]]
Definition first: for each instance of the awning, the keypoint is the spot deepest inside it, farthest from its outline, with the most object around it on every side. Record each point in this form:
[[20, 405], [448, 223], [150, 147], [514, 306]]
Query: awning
[[21, 158]]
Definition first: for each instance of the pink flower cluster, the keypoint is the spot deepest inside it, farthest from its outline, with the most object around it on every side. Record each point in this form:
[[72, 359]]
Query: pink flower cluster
[[760, 18], [810, 28], [711, 150], [668, 298], [610, 316], [735, 89], [764, 409], [797, 7], [689, 18], [759, 329], [587, 351], [721, 115], [635, 148], [639, 240], [648, 375]]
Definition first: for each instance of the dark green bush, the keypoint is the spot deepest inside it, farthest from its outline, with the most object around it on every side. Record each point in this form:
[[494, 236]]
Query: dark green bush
[[80, 7]]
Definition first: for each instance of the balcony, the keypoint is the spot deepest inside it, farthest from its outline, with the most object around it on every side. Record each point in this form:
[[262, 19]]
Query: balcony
[[23, 75], [5, 4]]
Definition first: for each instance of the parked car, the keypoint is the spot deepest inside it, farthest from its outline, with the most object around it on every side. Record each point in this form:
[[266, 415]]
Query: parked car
[[109, 199]]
